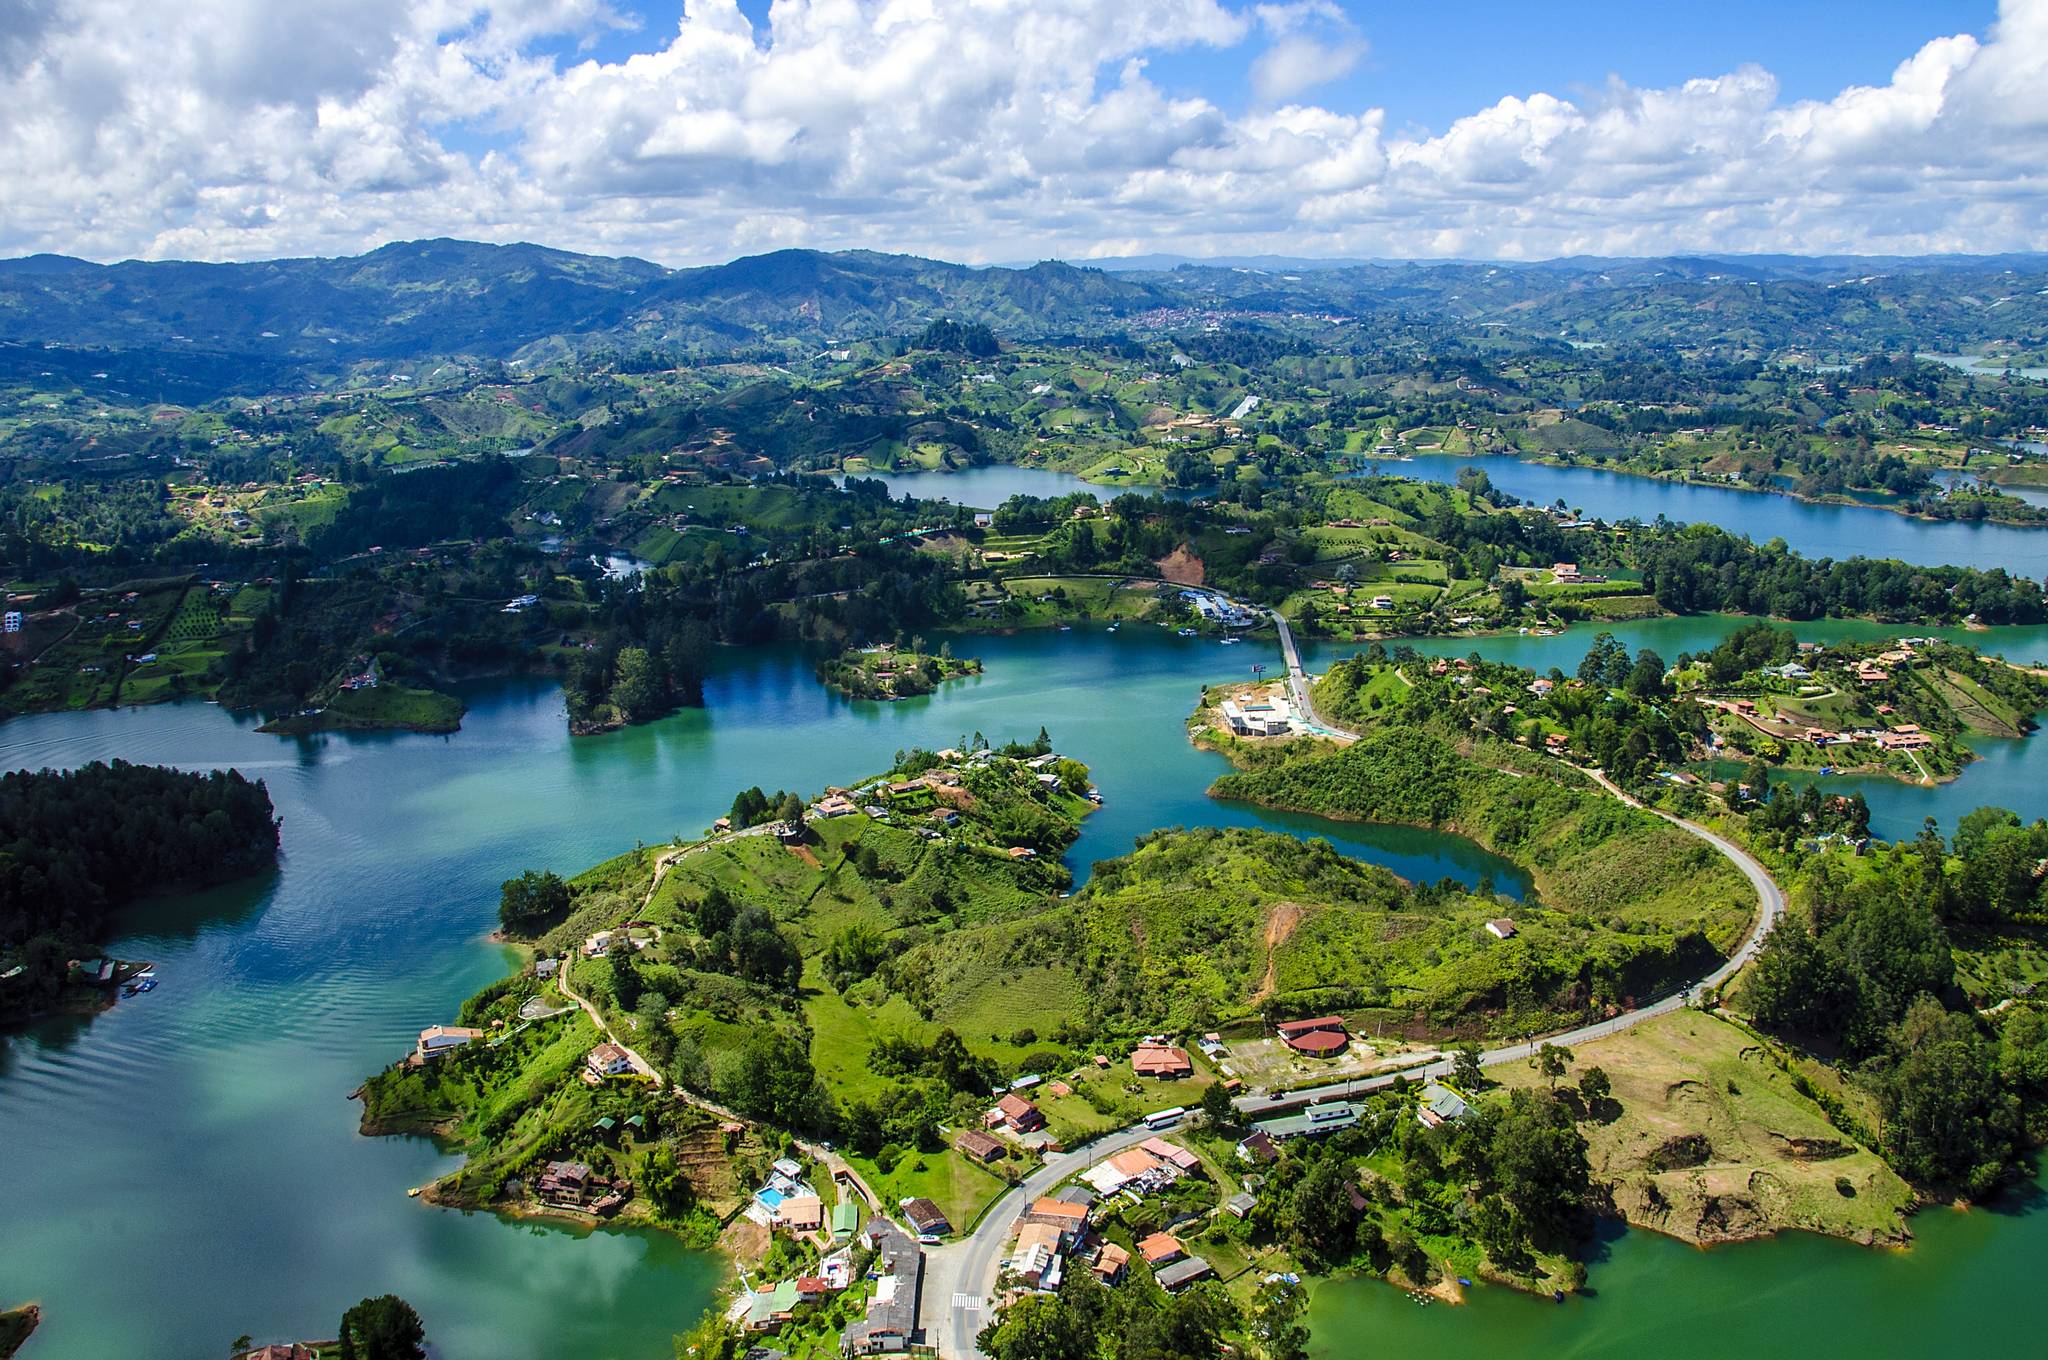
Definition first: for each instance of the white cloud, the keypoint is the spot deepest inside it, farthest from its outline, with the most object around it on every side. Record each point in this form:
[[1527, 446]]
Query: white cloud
[[974, 129]]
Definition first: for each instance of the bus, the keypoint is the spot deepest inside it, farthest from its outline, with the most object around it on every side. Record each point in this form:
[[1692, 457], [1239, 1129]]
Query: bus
[[1165, 1119]]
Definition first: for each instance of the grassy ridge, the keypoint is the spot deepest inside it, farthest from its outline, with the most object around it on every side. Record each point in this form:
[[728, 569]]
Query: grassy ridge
[[1627, 905]]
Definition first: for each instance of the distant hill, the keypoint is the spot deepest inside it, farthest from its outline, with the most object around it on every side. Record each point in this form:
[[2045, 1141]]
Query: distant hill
[[459, 297], [422, 298]]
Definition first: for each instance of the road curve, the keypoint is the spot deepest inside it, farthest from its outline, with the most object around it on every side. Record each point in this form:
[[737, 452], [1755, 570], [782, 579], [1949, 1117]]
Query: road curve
[[1770, 909]]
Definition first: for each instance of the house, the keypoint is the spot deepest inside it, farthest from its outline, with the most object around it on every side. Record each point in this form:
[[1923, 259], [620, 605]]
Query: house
[[609, 1060], [1181, 1274], [1564, 572], [802, 1213], [770, 1309], [1069, 1218], [837, 805], [1160, 1249], [1037, 1258], [564, 1183], [1501, 928], [1130, 1169], [545, 968], [1241, 1203], [1022, 852], [435, 1040], [926, 1218], [1162, 1061], [1313, 1122], [296, 1350], [1110, 1263], [1440, 1105], [984, 520], [1258, 1149], [1179, 1158], [1318, 1038], [845, 1220], [1015, 1113], [978, 1146], [892, 1311]]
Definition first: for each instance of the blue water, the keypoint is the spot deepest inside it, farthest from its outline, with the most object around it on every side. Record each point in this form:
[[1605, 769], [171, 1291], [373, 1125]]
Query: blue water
[[1817, 531]]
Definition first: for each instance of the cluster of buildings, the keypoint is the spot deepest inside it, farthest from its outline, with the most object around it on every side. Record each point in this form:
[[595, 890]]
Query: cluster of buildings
[[1056, 1232], [1228, 613]]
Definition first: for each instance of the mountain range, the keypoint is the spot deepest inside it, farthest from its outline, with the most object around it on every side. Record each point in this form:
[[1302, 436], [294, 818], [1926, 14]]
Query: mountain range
[[445, 297]]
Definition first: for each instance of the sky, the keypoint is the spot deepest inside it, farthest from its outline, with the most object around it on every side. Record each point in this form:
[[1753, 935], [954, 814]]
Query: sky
[[1002, 130]]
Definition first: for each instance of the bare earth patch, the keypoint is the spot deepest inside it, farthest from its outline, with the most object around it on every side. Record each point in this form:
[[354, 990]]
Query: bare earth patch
[[1182, 567]]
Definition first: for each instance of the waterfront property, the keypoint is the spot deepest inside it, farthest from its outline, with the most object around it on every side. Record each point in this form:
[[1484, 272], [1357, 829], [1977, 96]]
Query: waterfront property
[[436, 1040]]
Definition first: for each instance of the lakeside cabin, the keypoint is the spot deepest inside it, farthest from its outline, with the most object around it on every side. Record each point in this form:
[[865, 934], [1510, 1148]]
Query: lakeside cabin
[[436, 1040]]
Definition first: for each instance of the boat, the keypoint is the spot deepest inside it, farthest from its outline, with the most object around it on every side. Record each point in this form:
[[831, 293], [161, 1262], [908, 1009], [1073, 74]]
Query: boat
[[1066, 628], [1113, 627], [1187, 632], [1232, 641]]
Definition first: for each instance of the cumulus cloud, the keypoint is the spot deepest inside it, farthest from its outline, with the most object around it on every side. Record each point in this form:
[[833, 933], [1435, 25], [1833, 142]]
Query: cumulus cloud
[[973, 129]]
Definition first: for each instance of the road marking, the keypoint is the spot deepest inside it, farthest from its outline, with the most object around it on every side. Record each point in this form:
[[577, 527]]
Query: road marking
[[969, 1303]]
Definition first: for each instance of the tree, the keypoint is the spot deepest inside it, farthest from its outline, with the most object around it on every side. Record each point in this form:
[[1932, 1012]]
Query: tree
[[1465, 1068], [1552, 1061], [639, 689], [1276, 1320], [532, 901], [1325, 1224], [710, 1339], [383, 1328], [1946, 1119], [1217, 1107], [1538, 1161], [1595, 1088]]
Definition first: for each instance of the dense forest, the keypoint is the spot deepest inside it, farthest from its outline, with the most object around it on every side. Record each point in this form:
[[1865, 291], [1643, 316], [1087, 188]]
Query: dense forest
[[76, 844], [1865, 966]]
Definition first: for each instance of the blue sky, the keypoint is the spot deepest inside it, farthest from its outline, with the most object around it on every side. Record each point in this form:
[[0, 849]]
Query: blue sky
[[984, 130], [1429, 64]]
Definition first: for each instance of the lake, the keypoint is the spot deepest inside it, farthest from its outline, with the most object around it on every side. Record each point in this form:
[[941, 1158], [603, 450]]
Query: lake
[[1815, 531], [985, 488], [192, 1166], [193, 1169]]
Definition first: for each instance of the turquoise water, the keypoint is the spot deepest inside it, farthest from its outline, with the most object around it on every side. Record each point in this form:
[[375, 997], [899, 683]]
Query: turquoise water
[[1969, 1286], [188, 1166]]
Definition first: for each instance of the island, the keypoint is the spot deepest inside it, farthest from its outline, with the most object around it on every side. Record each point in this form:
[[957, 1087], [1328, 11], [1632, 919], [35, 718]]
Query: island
[[886, 671], [16, 1326], [77, 844]]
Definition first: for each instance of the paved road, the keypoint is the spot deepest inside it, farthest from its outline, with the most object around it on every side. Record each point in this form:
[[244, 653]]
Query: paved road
[[1770, 908], [960, 1277]]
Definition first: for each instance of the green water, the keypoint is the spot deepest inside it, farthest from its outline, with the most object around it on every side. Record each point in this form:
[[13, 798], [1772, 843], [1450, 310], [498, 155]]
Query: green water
[[187, 1166], [1970, 1285]]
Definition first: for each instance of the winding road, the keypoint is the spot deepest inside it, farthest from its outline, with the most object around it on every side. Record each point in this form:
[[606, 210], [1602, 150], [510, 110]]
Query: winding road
[[960, 1278]]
